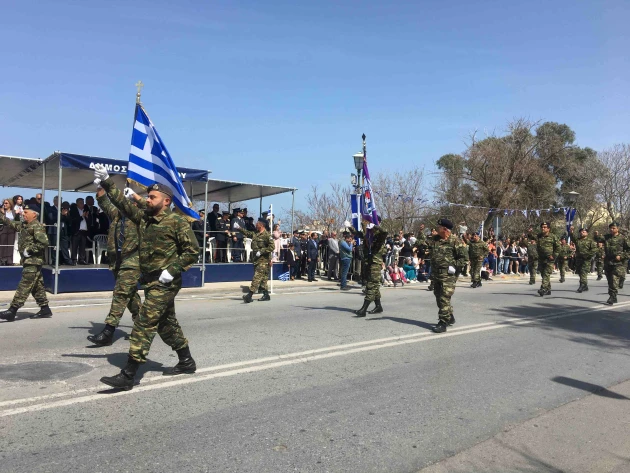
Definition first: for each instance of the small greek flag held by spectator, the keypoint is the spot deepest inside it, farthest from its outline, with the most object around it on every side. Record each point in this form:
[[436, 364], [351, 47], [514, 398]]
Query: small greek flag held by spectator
[[150, 162], [284, 276]]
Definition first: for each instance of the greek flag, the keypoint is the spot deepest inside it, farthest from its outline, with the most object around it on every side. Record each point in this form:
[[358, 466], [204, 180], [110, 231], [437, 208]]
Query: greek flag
[[284, 276], [150, 162]]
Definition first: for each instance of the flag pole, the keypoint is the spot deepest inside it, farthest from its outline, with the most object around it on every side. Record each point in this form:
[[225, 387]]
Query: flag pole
[[139, 85], [271, 228]]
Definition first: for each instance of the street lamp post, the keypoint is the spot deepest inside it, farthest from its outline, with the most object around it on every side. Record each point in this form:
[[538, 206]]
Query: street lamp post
[[571, 199]]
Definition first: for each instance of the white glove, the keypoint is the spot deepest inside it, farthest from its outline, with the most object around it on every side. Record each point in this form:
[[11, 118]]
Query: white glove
[[166, 277], [97, 183], [451, 270], [257, 254], [26, 253], [100, 172], [347, 224], [370, 226], [129, 193]]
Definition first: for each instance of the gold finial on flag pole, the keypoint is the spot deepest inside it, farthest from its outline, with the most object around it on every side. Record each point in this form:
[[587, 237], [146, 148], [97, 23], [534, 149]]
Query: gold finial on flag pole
[[139, 85]]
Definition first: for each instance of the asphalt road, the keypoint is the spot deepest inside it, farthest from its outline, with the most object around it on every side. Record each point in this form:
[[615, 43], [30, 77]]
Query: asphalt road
[[300, 384]]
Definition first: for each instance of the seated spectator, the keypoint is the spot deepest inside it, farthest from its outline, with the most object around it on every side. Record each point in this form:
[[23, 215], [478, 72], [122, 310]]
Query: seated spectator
[[410, 269], [422, 273], [396, 274]]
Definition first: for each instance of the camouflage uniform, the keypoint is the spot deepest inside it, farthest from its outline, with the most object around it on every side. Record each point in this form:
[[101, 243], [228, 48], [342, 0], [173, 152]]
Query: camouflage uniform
[[166, 242], [373, 260], [599, 261], [122, 250], [564, 252], [615, 270], [33, 239], [548, 248], [585, 249], [532, 261], [264, 243], [444, 253], [477, 251]]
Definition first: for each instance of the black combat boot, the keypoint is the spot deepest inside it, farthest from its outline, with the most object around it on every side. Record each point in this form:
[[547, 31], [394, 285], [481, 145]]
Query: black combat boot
[[248, 297], [473, 285], [580, 289], [541, 292], [378, 309], [561, 279], [430, 288], [105, 338], [599, 278], [186, 364], [451, 321], [584, 288], [44, 313], [265, 297], [363, 310], [479, 284], [440, 327], [611, 300], [548, 292], [9, 314], [531, 283], [621, 283], [124, 379]]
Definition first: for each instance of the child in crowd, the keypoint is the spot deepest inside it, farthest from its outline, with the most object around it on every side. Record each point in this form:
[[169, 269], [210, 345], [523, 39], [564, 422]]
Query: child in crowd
[[410, 270]]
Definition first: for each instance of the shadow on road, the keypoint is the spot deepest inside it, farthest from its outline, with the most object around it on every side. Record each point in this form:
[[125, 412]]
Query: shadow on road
[[588, 387], [400, 320], [119, 360], [97, 327], [328, 307]]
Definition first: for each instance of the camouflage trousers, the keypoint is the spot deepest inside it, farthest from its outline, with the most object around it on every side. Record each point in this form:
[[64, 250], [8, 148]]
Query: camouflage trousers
[[563, 265], [32, 282], [614, 274], [582, 268], [443, 289], [157, 315], [475, 271], [599, 266], [532, 266], [261, 276], [373, 282], [125, 296], [546, 269]]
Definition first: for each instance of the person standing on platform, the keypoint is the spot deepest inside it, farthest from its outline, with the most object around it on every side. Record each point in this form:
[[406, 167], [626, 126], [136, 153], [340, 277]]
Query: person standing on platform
[[167, 247], [477, 251], [262, 249], [236, 226], [221, 237], [32, 245], [447, 253], [122, 250], [548, 250], [374, 249], [585, 249], [312, 254], [297, 248], [617, 251]]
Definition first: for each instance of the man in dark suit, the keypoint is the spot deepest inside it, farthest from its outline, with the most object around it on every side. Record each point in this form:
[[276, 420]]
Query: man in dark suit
[[214, 217], [312, 252], [295, 240], [221, 237], [79, 216], [293, 261]]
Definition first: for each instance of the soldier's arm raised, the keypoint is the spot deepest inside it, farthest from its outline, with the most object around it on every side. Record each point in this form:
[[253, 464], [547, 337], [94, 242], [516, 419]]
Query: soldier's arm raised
[[103, 202], [15, 225], [187, 246], [117, 198], [247, 233]]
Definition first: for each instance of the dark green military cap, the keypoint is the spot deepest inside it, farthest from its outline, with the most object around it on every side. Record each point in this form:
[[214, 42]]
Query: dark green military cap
[[161, 188], [32, 207], [612, 224], [446, 223]]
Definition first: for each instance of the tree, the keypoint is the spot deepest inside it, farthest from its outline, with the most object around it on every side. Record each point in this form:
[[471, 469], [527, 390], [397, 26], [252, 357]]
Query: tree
[[614, 183]]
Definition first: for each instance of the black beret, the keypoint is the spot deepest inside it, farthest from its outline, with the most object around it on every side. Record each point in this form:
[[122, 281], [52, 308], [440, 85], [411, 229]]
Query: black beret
[[446, 223], [262, 220], [545, 223], [244, 209], [226, 212], [476, 233], [161, 188], [32, 207], [237, 210], [583, 229], [613, 224]]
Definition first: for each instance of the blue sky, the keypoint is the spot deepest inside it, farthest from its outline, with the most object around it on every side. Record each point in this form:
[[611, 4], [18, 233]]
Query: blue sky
[[279, 92]]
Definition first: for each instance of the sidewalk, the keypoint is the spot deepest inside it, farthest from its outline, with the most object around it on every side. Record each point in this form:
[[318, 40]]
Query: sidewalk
[[236, 289], [587, 435]]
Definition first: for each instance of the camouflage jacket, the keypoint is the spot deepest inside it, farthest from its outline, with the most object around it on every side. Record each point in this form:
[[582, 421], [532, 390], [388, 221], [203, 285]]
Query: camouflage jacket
[[585, 248], [616, 246], [128, 253], [32, 238], [445, 253], [375, 251], [532, 251], [260, 242], [564, 252], [477, 250], [165, 241], [601, 253], [547, 246]]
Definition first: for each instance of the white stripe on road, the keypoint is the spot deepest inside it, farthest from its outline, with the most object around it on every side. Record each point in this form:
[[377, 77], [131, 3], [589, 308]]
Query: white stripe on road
[[286, 360]]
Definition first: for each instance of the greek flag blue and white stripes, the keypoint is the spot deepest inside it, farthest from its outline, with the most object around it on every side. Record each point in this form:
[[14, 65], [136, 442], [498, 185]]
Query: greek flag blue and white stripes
[[150, 162], [284, 276]]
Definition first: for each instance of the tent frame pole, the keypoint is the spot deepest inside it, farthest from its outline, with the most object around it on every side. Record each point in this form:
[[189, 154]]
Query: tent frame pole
[[205, 243], [59, 201], [292, 209], [41, 205]]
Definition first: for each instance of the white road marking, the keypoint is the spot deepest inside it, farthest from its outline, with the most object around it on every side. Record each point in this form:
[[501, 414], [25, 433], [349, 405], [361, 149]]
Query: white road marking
[[282, 360]]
